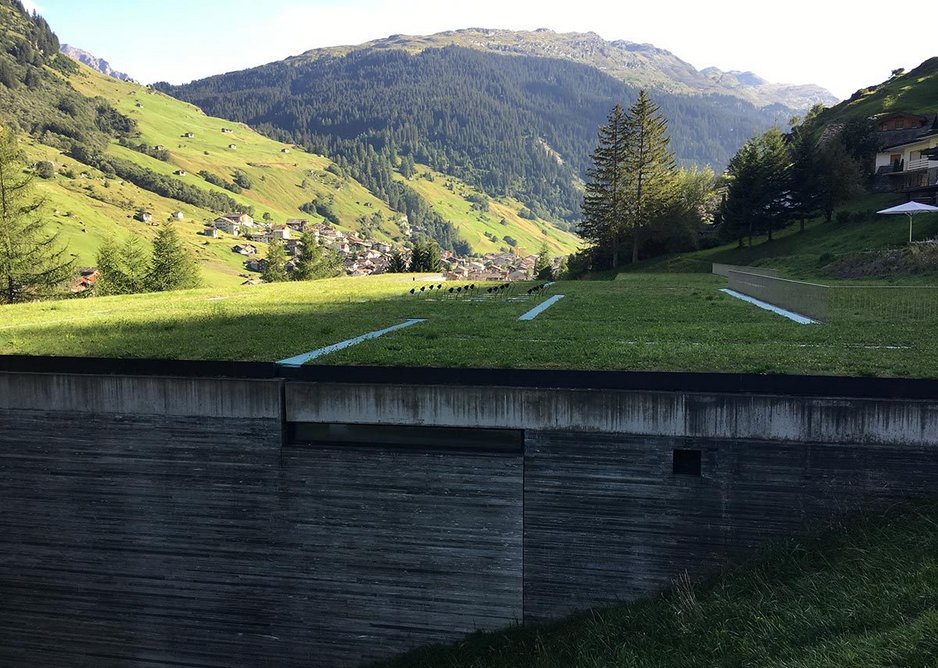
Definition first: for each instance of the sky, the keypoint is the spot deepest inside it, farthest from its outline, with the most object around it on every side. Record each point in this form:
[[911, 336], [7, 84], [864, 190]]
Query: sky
[[838, 45]]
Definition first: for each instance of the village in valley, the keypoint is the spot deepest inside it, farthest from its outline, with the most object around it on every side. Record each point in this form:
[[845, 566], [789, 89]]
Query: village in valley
[[360, 256]]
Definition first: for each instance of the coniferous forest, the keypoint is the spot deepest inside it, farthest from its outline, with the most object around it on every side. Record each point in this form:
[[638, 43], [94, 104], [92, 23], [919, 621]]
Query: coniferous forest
[[515, 125]]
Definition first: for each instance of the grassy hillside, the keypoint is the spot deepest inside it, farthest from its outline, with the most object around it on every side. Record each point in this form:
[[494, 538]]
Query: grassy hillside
[[863, 595], [278, 178], [498, 218], [89, 207], [915, 91], [809, 255], [92, 207]]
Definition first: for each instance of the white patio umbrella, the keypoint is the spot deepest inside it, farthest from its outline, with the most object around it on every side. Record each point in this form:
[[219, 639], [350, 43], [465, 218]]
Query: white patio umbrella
[[910, 209]]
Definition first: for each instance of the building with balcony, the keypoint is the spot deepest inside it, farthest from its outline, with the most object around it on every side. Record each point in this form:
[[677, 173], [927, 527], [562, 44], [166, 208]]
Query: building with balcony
[[906, 160]]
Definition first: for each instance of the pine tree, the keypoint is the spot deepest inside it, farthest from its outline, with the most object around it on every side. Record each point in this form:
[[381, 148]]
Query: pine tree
[[275, 270], [758, 197], [650, 171], [314, 261], [172, 266], [839, 176], [122, 269], [632, 182], [425, 256], [397, 263], [32, 264], [543, 270], [603, 206], [805, 152], [776, 168]]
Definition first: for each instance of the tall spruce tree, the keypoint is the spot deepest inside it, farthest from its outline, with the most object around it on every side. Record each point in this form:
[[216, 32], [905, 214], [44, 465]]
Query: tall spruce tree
[[603, 207], [805, 180], [425, 255], [758, 197], [275, 270], [398, 263], [122, 269], [314, 261], [633, 180], [172, 266], [543, 269], [651, 173], [32, 263]]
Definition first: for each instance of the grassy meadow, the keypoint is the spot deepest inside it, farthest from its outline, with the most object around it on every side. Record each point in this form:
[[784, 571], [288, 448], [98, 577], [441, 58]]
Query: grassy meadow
[[672, 322], [448, 196]]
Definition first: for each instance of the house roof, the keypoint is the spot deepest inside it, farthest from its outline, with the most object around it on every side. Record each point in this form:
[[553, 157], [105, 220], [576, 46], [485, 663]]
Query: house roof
[[892, 138], [931, 134]]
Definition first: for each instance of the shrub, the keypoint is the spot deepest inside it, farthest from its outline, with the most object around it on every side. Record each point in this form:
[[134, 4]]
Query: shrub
[[45, 169]]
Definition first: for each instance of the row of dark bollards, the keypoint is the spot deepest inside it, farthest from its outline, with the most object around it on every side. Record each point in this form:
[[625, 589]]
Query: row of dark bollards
[[463, 290]]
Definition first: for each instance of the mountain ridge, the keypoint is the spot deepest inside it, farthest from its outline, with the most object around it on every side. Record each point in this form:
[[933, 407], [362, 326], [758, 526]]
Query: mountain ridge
[[509, 124], [634, 63], [95, 63]]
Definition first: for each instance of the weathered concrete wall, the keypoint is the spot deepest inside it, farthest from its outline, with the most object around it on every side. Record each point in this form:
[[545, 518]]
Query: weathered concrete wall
[[713, 415], [169, 521], [607, 520], [142, 395], [162, 521]]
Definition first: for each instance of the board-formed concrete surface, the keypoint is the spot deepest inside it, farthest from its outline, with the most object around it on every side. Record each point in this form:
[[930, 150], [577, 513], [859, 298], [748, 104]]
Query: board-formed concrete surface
[[207, 521]]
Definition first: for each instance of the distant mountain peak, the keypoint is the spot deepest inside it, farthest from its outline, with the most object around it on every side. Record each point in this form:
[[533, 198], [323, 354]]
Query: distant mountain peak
[[95, 63]]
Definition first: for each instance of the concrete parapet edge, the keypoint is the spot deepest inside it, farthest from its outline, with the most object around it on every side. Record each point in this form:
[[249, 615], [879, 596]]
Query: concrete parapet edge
[[761, 417], [142, 395]]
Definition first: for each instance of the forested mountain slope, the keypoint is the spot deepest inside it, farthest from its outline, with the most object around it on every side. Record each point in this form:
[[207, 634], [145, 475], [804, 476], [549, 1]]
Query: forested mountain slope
[[513, 125], [636, 64]]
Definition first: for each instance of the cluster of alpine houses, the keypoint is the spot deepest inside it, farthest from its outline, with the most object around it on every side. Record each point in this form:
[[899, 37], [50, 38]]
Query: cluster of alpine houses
[[504, 266], [361, 257]]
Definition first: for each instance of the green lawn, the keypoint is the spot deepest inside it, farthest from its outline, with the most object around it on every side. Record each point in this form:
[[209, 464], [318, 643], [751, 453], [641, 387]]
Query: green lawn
[[678, 322], [863, 595]]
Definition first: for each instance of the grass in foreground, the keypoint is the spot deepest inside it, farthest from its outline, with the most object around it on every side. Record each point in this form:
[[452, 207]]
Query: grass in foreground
[[669, 322], [863, 595]]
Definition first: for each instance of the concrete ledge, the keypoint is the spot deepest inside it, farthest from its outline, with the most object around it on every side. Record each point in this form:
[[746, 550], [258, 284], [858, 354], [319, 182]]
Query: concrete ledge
[[142, 395], [760, 417]]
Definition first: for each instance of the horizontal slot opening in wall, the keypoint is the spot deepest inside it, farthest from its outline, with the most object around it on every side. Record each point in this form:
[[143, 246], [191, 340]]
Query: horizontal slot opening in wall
[[510, 441]]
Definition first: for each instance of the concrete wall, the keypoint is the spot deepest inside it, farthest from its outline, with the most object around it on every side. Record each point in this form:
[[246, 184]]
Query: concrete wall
[[162, 521], [673, 413]]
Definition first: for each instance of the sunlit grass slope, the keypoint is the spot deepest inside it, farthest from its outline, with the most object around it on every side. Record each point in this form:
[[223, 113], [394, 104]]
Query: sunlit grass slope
[[281, 181], [89, 208], [486, 230]]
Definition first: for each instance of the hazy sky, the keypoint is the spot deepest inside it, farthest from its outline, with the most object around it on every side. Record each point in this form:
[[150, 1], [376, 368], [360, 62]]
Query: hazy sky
[[841, 46]]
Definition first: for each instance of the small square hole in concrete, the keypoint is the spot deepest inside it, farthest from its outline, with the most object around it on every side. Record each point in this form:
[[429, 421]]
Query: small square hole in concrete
[[686, 462]]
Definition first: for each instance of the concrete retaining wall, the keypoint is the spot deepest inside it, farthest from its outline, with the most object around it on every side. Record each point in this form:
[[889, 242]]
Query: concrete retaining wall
[[207, 521]]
